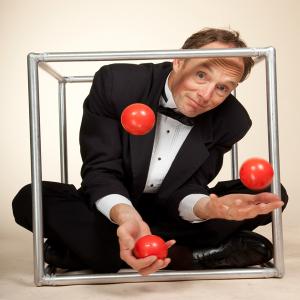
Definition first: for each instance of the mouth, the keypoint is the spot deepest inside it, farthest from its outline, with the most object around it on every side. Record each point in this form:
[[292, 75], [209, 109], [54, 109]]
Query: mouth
[[196, 104]]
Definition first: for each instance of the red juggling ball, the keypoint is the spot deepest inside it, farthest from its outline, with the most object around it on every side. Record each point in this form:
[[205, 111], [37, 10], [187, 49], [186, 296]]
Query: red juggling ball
[[150, 245], [138, 119], [256, 173]]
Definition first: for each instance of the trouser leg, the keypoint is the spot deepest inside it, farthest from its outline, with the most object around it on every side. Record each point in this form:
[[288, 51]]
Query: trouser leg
[[69, 220]]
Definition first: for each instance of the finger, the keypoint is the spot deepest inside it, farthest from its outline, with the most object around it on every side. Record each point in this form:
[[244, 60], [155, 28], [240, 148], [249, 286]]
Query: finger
[[140, 263], [249, 210], [267, 208], [148, 268], [266, 198], [264, 208], [275, 204], [253, 211], [158, 264], [213, 197], [166, 262], [170, 243]]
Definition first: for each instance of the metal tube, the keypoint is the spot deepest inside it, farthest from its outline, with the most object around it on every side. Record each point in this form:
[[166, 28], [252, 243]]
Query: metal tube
[[36, 168], [258, 53], [150, 54], [76, 79], [51, 71], [234, 157], [63, 132], [159, 276], [234, 162], [273, 141]]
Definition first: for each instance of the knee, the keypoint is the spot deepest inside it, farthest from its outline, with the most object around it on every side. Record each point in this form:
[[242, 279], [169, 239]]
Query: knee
[[22, 207], [284, 196]]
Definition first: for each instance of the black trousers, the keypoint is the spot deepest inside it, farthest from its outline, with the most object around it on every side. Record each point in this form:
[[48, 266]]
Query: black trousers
[[71, 222]]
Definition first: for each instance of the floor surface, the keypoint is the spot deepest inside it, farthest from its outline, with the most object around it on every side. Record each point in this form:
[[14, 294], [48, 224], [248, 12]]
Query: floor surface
[[16, 280]]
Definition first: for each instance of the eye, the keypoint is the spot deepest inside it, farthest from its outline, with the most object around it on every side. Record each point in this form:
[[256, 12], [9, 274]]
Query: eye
[[201, 75], [222, 89]]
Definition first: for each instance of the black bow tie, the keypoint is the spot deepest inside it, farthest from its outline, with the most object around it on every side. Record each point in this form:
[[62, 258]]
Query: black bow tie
[[170, 112]]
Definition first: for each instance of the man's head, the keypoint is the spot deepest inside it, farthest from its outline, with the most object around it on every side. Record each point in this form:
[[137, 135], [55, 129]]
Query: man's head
[[200, 84], [227, 37]]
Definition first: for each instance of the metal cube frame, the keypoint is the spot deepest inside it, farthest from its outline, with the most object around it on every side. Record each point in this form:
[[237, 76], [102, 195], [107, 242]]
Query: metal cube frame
[[42, 274]]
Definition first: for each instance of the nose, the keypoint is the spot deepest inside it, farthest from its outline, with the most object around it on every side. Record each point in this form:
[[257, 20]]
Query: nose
[[206, 92]]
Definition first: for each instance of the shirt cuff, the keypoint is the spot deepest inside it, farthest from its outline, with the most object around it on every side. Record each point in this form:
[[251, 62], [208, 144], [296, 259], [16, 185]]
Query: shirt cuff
[[105, 204], [186, 207]]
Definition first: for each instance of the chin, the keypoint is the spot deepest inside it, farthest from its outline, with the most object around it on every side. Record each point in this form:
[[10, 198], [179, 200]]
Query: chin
[[190, 112]]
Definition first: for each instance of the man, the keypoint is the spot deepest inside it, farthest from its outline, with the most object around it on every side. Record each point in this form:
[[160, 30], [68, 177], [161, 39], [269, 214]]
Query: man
[[158, 183]]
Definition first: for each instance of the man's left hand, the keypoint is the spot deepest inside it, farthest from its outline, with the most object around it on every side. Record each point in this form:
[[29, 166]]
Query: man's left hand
[[237, 206]]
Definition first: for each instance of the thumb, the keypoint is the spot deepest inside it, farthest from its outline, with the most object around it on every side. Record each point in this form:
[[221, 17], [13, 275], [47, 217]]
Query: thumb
[[213, 196]]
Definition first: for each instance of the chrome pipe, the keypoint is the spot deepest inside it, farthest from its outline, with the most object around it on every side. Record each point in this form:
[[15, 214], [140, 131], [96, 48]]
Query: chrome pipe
[[234, 162], [63, 132], [36, 168], [59, 279], [51, 71], [234, 156], [273, 141], [148, 54], [75, 79], [257, 53]]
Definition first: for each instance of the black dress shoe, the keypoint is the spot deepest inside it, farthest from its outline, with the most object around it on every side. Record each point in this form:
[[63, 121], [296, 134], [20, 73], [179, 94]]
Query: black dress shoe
[[58, 256], [244, 249]]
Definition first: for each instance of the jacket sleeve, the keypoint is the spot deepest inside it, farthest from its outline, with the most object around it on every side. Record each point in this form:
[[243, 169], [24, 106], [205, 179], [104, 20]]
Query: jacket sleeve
[[101, 142]]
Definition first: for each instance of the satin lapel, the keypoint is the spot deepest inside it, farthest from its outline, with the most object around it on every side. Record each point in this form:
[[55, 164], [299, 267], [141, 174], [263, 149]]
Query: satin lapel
[[190, 157]]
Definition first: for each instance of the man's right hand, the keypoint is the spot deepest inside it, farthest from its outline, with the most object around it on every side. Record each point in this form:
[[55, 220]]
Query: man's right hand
[[131, 228]]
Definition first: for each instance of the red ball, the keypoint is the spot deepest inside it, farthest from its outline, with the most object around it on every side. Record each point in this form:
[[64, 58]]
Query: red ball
[[138, 119], [150, 245], [256, 173]]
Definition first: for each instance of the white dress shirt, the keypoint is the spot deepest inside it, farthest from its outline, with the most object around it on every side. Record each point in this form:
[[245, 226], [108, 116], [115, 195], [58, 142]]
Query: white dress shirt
[[169, 137]]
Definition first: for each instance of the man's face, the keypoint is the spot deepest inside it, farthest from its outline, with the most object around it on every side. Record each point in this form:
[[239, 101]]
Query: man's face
[[200, 84]]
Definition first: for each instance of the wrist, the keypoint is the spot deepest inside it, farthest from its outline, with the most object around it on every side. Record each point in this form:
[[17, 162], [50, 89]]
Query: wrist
[[121, 213], [201, 208]]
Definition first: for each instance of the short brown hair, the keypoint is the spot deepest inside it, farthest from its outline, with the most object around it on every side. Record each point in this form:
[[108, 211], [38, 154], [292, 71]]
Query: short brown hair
[[210, 35]]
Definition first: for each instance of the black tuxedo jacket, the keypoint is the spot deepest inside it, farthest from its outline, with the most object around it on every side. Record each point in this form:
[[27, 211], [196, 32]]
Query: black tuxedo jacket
[[115, 162]]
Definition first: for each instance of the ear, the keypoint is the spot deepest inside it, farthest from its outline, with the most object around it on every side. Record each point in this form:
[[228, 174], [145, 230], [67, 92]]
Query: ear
[[177, 64]]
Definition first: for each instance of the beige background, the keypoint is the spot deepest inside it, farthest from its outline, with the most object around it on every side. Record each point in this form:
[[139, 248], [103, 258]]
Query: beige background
[[65, 25]]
